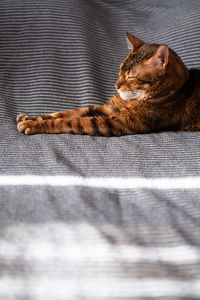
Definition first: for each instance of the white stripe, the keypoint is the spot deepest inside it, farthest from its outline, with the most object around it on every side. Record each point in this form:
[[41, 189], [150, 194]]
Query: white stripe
[[69, 251], [104, 182], [81, 249], [82, 242], [42, 287]]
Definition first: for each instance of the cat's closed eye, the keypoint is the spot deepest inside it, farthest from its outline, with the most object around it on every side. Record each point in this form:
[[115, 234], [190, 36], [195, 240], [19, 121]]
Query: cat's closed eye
[[131, 77]]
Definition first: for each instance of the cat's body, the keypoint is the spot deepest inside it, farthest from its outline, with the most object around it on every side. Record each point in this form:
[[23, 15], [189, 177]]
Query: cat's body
[[156, 92]]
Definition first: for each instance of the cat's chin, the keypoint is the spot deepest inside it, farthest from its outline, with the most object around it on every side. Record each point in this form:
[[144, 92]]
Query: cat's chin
[[129, 95]]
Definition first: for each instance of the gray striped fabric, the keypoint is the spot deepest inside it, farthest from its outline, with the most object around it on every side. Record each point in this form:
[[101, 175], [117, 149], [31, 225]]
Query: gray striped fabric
[[84, 218]]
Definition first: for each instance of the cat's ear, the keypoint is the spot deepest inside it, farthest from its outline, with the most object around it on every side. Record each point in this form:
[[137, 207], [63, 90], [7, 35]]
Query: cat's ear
[[160, 58], [133, 42]]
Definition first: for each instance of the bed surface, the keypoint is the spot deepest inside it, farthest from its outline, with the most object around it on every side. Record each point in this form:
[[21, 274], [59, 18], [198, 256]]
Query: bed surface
[[92, 217]]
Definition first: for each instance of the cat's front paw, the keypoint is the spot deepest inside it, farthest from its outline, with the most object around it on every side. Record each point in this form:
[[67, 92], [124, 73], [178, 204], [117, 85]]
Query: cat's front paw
[[22, 117], [29, 127]]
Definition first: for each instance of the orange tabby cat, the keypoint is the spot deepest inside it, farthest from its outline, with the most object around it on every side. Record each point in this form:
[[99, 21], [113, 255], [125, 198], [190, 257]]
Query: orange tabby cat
[[156, 92]]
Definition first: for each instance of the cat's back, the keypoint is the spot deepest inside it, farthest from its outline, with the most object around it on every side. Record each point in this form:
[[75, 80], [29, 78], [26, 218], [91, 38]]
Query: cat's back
[[195, 79], [193, 87]]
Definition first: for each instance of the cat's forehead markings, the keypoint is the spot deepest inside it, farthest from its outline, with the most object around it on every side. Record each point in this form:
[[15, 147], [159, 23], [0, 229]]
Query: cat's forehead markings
[[144, 52], [128, 62]]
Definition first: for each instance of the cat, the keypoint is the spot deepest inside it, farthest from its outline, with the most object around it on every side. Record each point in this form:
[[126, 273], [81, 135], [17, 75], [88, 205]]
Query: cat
[[155, 92]]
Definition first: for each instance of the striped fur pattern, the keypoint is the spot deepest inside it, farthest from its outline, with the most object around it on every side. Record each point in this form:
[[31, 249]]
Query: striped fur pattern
[[156, 92]]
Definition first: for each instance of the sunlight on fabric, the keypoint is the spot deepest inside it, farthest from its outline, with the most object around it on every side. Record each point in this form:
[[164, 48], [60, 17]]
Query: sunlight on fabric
[[104, 182], [57, 288], [56, 259], [80, 243], [101, 252]]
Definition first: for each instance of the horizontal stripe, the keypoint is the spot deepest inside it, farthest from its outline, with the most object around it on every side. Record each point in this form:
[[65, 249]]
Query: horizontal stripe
[[106, 182], [41, 287], [98, 250]]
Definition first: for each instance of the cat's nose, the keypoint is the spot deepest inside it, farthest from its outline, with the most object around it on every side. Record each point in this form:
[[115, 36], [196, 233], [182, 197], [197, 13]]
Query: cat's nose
[[118, 85]]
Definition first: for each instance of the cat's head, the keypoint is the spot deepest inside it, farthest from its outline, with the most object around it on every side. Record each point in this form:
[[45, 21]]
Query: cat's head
[[150, 71]]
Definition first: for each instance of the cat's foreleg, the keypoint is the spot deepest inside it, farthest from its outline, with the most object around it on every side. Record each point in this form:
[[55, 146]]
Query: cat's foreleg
[[70, 114], [95, 126], [73, 113], [192, 127]]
